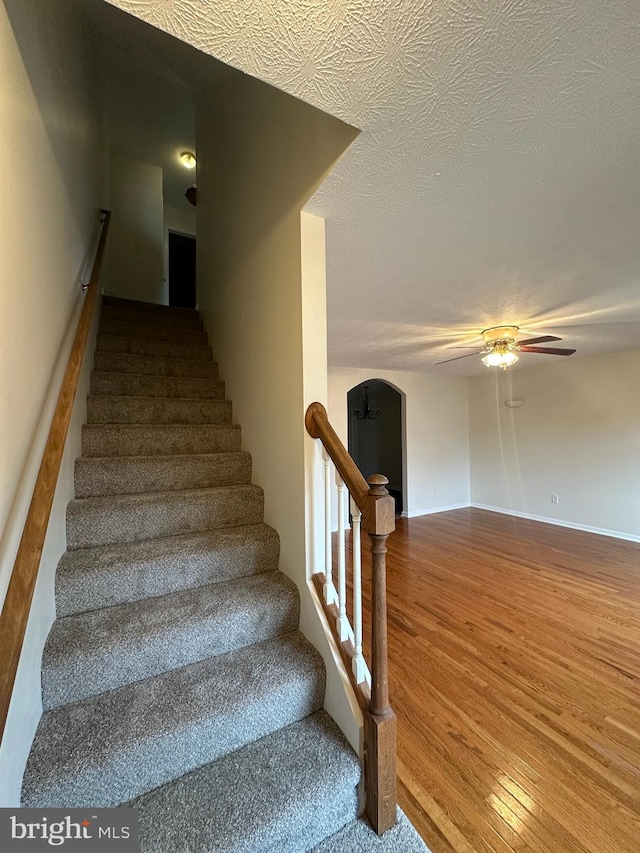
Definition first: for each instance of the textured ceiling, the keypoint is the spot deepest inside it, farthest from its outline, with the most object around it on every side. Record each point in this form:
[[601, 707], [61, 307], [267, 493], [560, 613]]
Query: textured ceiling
[[497, 177]]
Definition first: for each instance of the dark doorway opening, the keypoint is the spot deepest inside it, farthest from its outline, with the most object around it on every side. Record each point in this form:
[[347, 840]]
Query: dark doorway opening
[[182, 270], [375, 443]]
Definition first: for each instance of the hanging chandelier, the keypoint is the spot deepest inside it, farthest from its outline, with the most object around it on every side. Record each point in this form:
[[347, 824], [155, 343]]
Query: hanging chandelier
[[364, 412]]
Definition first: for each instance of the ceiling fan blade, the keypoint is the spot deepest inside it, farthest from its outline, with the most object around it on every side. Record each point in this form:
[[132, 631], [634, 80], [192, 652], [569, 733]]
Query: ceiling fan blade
[[543, 340], [548, 350], [457, 358], [458, 347]]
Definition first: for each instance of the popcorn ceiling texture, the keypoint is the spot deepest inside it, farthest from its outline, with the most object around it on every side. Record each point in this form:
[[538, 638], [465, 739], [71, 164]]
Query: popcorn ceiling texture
[[496, 178]]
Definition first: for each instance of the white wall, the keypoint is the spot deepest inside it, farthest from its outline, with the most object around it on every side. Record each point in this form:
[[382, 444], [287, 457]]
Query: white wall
[[53, 165], [437, 433], [340, 700], [577, 435], [180, 219], [260, 156], [134, 260]]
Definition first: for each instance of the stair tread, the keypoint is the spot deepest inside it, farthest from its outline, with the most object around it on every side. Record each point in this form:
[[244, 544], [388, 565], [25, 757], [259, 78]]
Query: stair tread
[[126, 518], [128, 397], [117, 439], [151, 307], [124, 460], [106, 501], [148, 329], [151, 365], [280, 794], [111, 748], [104, 649], [149, 385], [114, 409], [358, 837], [107, 575], [97, 476], [174, 427], [160, 376], [147, 347], [170, 318]]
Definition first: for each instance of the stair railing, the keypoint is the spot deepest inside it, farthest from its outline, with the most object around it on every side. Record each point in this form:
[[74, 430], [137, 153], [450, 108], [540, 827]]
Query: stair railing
[[374, 509], [17, 603]]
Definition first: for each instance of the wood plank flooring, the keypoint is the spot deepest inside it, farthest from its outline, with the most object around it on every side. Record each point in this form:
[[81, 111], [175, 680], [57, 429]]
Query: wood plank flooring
[[515, 675]]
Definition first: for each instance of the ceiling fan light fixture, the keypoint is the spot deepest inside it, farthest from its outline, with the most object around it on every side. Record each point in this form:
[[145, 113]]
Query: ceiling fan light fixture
[[500, 357], [499, 335]]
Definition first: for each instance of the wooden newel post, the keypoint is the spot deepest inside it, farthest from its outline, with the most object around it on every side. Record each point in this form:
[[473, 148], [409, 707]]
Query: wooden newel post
[[379, 719]]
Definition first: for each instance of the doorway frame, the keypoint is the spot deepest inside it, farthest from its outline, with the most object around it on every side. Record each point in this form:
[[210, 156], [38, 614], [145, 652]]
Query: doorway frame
[[165, 259], [403, 429]]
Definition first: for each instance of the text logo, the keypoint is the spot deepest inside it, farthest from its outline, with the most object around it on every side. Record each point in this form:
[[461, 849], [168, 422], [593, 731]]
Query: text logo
[[77, 830]]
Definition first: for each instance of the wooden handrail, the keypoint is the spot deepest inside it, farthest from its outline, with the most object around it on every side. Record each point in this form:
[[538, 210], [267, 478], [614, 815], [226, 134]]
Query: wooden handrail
[[378, 518], [318, 426], [17, 604], [377, 506]]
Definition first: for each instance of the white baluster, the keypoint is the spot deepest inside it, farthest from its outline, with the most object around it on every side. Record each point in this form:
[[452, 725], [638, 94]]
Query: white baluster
[[342, 622], [359, 665], [330, 594]]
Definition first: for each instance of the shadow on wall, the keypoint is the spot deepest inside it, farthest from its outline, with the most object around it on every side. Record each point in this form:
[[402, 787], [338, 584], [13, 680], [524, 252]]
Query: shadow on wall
[[377, 434]]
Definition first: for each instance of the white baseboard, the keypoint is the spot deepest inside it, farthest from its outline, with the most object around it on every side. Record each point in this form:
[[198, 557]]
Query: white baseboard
[[600, 531], [413, 513]]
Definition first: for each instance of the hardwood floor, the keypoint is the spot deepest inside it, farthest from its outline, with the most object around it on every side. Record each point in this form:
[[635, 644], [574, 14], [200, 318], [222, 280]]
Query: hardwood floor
[[515, 676]]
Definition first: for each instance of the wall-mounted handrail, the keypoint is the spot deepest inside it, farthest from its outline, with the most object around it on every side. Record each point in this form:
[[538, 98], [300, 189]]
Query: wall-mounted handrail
[[17, 604], [378, 518]]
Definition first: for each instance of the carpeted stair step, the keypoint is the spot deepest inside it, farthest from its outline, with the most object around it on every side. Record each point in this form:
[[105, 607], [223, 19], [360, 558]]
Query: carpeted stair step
[[358, 837], [123, 362], [103, 409], [155, 349], [128, 518], [281, 794], [90, 578], [158, 439], [148, 307], [142, 385], [111, 748], [134, 315], [146, 329], [130, 475], [102, 650]]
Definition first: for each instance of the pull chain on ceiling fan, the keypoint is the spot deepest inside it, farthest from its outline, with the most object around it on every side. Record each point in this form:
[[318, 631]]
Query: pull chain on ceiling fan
[[501, 347]]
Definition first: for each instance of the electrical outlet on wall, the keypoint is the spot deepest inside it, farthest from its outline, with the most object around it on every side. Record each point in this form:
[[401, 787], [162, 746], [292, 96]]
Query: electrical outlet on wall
[[554, 499]]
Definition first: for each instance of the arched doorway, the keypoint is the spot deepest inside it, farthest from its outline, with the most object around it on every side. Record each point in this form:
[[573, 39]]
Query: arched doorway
[[376, 432]]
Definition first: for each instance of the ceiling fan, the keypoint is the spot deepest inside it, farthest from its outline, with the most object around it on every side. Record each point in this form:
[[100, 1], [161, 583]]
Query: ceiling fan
[[501, 347]]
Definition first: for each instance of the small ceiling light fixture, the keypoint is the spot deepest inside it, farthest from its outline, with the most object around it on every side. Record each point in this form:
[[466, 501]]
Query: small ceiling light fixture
[[188, 159], [364, 412]]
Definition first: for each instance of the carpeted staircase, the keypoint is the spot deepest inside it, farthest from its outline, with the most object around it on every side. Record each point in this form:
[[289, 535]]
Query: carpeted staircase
[[175, 678]]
